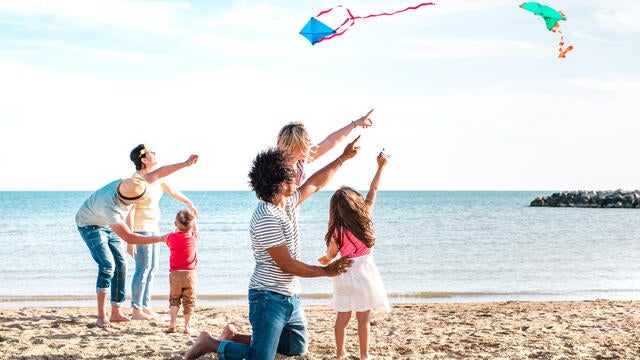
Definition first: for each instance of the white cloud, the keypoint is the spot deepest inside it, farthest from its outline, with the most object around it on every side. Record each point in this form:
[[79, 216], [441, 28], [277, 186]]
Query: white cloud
[[84, 50], [620, 16], [467, 48], [156, 16], [627, 86], [261, 16]]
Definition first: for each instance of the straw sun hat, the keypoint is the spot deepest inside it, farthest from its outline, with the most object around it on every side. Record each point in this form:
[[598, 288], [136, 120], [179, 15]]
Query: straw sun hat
[[132, 189]]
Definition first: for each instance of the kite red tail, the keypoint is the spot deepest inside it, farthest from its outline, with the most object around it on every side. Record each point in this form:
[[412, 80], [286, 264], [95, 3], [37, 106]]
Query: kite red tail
[[395, 12], [348, 23], [561, 52]]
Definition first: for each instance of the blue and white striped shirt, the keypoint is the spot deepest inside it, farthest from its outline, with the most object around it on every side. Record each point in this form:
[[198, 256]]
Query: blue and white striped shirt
[[270, 227]]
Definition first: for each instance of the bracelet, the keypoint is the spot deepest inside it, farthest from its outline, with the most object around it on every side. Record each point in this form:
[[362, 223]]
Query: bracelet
[[340, 159], [353, 123]]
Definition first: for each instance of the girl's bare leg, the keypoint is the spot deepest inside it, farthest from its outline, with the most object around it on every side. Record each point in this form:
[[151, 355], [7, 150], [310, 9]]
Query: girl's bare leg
[[363, 333], [342, 320]]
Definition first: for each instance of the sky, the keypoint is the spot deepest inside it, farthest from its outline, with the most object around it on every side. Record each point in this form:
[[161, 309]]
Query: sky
[[467, 95]]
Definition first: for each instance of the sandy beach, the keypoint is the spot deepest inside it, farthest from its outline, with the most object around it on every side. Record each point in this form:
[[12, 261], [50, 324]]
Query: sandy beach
[[600, 329]]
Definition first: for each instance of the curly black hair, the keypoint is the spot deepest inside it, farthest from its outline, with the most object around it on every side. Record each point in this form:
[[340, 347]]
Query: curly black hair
[[270, 169]]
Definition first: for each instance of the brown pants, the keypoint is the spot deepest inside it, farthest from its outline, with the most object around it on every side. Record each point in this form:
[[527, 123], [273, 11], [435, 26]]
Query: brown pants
[[183, 287]]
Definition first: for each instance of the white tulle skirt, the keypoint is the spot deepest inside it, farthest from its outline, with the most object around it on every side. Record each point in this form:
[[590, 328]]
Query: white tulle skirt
[[360, 288]]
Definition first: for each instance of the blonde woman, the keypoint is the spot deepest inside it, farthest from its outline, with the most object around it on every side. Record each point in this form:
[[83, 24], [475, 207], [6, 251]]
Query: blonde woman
[[295, 139]]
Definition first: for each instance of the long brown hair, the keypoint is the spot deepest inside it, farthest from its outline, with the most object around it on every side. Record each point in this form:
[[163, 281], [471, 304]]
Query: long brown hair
[[347, 210]]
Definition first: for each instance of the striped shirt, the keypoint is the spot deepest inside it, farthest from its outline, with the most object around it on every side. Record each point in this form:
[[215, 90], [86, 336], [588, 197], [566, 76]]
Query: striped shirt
[[272, 226]]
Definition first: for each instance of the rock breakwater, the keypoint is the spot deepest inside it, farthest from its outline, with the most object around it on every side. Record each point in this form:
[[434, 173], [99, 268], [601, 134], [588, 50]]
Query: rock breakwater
[[591, 199]]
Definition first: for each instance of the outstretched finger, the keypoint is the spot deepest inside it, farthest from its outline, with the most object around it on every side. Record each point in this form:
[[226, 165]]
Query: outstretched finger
[[369, 113], [355, 140]]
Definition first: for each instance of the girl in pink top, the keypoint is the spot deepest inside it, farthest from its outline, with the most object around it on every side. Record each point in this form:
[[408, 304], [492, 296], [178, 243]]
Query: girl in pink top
[[360, 289]]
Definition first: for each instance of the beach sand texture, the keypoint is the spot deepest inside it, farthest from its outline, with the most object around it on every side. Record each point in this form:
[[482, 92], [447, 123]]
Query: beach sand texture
[[600, 329]]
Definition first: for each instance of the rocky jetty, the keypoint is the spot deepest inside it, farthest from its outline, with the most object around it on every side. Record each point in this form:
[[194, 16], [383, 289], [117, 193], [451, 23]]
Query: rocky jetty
[[591, 199]]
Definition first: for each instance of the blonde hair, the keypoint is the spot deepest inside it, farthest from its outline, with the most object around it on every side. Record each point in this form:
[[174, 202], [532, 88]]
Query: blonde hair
[[294, 139]]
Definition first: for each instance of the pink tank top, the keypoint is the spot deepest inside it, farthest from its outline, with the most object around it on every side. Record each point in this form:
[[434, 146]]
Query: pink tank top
[[351, 246]]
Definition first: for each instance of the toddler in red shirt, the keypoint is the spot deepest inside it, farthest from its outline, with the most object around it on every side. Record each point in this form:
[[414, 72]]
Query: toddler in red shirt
[[183, 262]]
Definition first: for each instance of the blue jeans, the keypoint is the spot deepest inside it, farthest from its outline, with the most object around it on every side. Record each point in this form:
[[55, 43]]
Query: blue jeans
[[278, 325], [147, 258], [109, 253]]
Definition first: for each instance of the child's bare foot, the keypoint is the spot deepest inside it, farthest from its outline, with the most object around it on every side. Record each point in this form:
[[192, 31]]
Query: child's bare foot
[[343, 355], [103, 323], [190, 331], [228, 332], [204, 344], [150, 312], [137, 314], [170, 329]]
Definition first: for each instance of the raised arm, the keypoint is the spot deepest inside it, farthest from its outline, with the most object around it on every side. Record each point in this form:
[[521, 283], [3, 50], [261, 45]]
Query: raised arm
[[337, 136], [178, 195], [321, 177], [373, 188], [169, 169], [289, 265]]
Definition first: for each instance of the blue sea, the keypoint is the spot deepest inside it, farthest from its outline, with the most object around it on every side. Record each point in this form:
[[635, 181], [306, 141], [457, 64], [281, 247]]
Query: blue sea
[[432, 246]]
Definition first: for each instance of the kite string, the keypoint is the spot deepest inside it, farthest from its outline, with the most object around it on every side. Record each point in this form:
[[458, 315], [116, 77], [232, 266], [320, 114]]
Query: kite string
[[199, 202]]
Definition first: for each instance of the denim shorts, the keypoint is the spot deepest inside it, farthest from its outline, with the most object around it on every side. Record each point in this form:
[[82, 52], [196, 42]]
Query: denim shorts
[[278, 325]]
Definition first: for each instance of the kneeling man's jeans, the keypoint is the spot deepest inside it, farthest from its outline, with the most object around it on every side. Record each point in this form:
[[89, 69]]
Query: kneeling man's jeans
[[278, 326]]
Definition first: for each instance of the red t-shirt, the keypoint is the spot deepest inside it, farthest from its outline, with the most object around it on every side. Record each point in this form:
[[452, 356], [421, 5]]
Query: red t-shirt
[[183, 250]]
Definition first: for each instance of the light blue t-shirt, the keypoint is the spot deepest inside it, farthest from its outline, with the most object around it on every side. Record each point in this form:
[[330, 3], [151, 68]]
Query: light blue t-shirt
[[102, 208]]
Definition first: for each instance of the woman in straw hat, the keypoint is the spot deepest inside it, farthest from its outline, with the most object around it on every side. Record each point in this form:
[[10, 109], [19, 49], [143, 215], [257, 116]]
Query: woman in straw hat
[[101, 223]]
